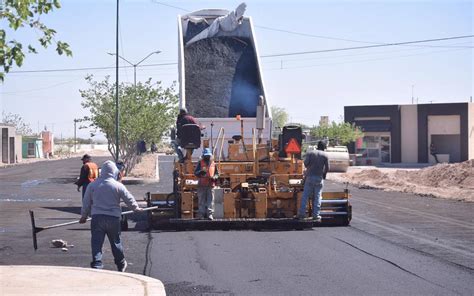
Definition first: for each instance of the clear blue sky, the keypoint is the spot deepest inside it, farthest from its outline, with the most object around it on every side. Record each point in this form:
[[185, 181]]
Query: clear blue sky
[[307, 86]]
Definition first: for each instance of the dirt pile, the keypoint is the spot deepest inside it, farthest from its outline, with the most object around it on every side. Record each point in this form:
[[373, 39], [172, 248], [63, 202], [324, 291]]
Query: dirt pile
[[445, 175], [452, 181], [221, 77]]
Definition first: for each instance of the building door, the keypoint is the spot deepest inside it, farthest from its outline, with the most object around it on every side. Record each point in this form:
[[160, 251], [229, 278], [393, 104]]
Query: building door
[[12, 150], [5, 145], [448, 145], [31, 150]]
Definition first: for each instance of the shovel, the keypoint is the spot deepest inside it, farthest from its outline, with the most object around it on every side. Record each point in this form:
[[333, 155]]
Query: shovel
[[36, 229]]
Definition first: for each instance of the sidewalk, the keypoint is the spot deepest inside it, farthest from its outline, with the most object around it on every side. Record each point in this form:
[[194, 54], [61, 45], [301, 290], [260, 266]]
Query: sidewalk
[[59, 280]]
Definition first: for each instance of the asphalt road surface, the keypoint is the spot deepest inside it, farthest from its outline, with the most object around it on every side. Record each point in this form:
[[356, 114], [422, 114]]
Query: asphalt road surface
[[397, 244]]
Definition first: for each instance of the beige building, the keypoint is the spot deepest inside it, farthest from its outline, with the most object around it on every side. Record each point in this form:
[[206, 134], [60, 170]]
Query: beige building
[[414, 133]]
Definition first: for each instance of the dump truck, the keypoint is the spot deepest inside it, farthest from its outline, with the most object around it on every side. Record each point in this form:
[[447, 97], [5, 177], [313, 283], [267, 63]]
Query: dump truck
[[260, 179]]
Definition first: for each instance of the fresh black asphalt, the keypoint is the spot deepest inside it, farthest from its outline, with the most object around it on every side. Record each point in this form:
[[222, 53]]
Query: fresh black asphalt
[[397, 244]]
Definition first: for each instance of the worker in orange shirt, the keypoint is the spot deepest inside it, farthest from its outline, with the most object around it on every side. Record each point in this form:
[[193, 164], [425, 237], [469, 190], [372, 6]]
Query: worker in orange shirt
[[89, 172], [206, 171]]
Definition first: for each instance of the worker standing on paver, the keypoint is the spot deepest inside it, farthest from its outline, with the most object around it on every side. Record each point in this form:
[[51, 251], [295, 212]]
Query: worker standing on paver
[[183, 118], [102, 201], [89, 172], [207, 173], [317, 166]]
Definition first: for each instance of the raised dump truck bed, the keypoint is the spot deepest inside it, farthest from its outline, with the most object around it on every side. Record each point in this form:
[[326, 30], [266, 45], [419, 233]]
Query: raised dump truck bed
[[220, 76]]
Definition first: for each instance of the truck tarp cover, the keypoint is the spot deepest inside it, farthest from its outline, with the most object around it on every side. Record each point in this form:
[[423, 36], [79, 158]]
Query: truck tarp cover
[[221, 75]]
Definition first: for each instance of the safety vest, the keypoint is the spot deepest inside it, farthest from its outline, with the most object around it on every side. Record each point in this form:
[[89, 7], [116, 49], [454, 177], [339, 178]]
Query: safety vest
[[93, 171], [210, 171]]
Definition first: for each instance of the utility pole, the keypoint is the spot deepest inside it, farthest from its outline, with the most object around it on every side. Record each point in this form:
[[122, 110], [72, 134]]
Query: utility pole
[[75, 121], [412, 100], [117, 86]]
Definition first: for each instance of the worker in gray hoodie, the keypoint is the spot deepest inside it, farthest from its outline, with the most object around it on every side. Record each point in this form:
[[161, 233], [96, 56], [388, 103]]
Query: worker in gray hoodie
[[102, 201]]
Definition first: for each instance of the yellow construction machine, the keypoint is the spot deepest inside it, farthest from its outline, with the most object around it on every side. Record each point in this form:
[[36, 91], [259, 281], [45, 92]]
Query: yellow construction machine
[[260, 186]]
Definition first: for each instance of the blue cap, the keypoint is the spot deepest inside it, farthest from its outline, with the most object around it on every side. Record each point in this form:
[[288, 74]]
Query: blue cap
[[206, 152]]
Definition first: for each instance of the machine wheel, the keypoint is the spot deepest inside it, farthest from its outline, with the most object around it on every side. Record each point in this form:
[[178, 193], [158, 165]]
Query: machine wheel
[[124, 223], [344, 221]]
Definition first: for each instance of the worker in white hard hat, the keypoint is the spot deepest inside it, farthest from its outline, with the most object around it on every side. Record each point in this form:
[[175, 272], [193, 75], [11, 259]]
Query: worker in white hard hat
[[206, 171]]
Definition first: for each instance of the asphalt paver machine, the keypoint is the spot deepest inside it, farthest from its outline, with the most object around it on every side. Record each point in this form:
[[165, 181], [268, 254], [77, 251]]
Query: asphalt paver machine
[[260, 186]]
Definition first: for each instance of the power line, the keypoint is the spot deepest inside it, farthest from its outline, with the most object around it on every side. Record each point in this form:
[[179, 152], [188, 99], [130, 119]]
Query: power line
[[262, 56], [88, 68], [169, 5], [364, 47], [354, 55], [344, 39], [365, 60], [271, 69]]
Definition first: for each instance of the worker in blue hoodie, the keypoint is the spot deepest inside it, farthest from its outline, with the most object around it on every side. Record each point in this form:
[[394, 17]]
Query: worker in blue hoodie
[[102, 201]]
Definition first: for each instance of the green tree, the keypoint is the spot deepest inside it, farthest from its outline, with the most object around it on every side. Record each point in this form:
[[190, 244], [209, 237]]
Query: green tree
[[145, 113], [26, 13], [338, 133], [279, 116], [21, 126]]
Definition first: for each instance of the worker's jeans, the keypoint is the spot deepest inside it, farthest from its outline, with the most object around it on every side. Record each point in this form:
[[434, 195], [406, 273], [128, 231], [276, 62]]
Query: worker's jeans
[[102, 225], [84, 188], [175, 144], [313, 187], [206, 200]]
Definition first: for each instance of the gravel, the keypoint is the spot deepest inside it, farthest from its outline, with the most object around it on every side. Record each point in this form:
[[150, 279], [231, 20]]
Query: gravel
[[221, 75]]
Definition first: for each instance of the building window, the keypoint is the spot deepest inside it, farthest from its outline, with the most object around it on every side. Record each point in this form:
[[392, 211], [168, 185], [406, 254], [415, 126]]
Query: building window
[[373, 149]]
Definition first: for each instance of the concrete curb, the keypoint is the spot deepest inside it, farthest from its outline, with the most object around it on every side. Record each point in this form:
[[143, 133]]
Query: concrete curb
[[137, 181], [64, 280]]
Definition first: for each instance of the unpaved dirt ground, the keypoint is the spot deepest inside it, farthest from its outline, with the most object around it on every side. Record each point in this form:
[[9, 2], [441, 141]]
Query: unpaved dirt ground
[[451, 181], [146, 168]]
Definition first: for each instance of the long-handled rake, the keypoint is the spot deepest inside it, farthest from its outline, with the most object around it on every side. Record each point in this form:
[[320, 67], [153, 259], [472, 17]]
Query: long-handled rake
[[36, 229]]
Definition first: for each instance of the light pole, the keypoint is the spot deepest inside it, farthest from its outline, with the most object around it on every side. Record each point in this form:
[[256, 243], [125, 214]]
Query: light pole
[[135, 65], [117, 149], [75, 122]]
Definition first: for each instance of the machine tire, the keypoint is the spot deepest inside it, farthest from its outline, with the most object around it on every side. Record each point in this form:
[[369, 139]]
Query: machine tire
[[344, 221]]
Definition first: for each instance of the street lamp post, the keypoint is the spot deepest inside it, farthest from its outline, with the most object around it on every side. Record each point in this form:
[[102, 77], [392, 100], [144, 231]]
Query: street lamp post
[[135, 65], [75, 128], [117, 142]]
